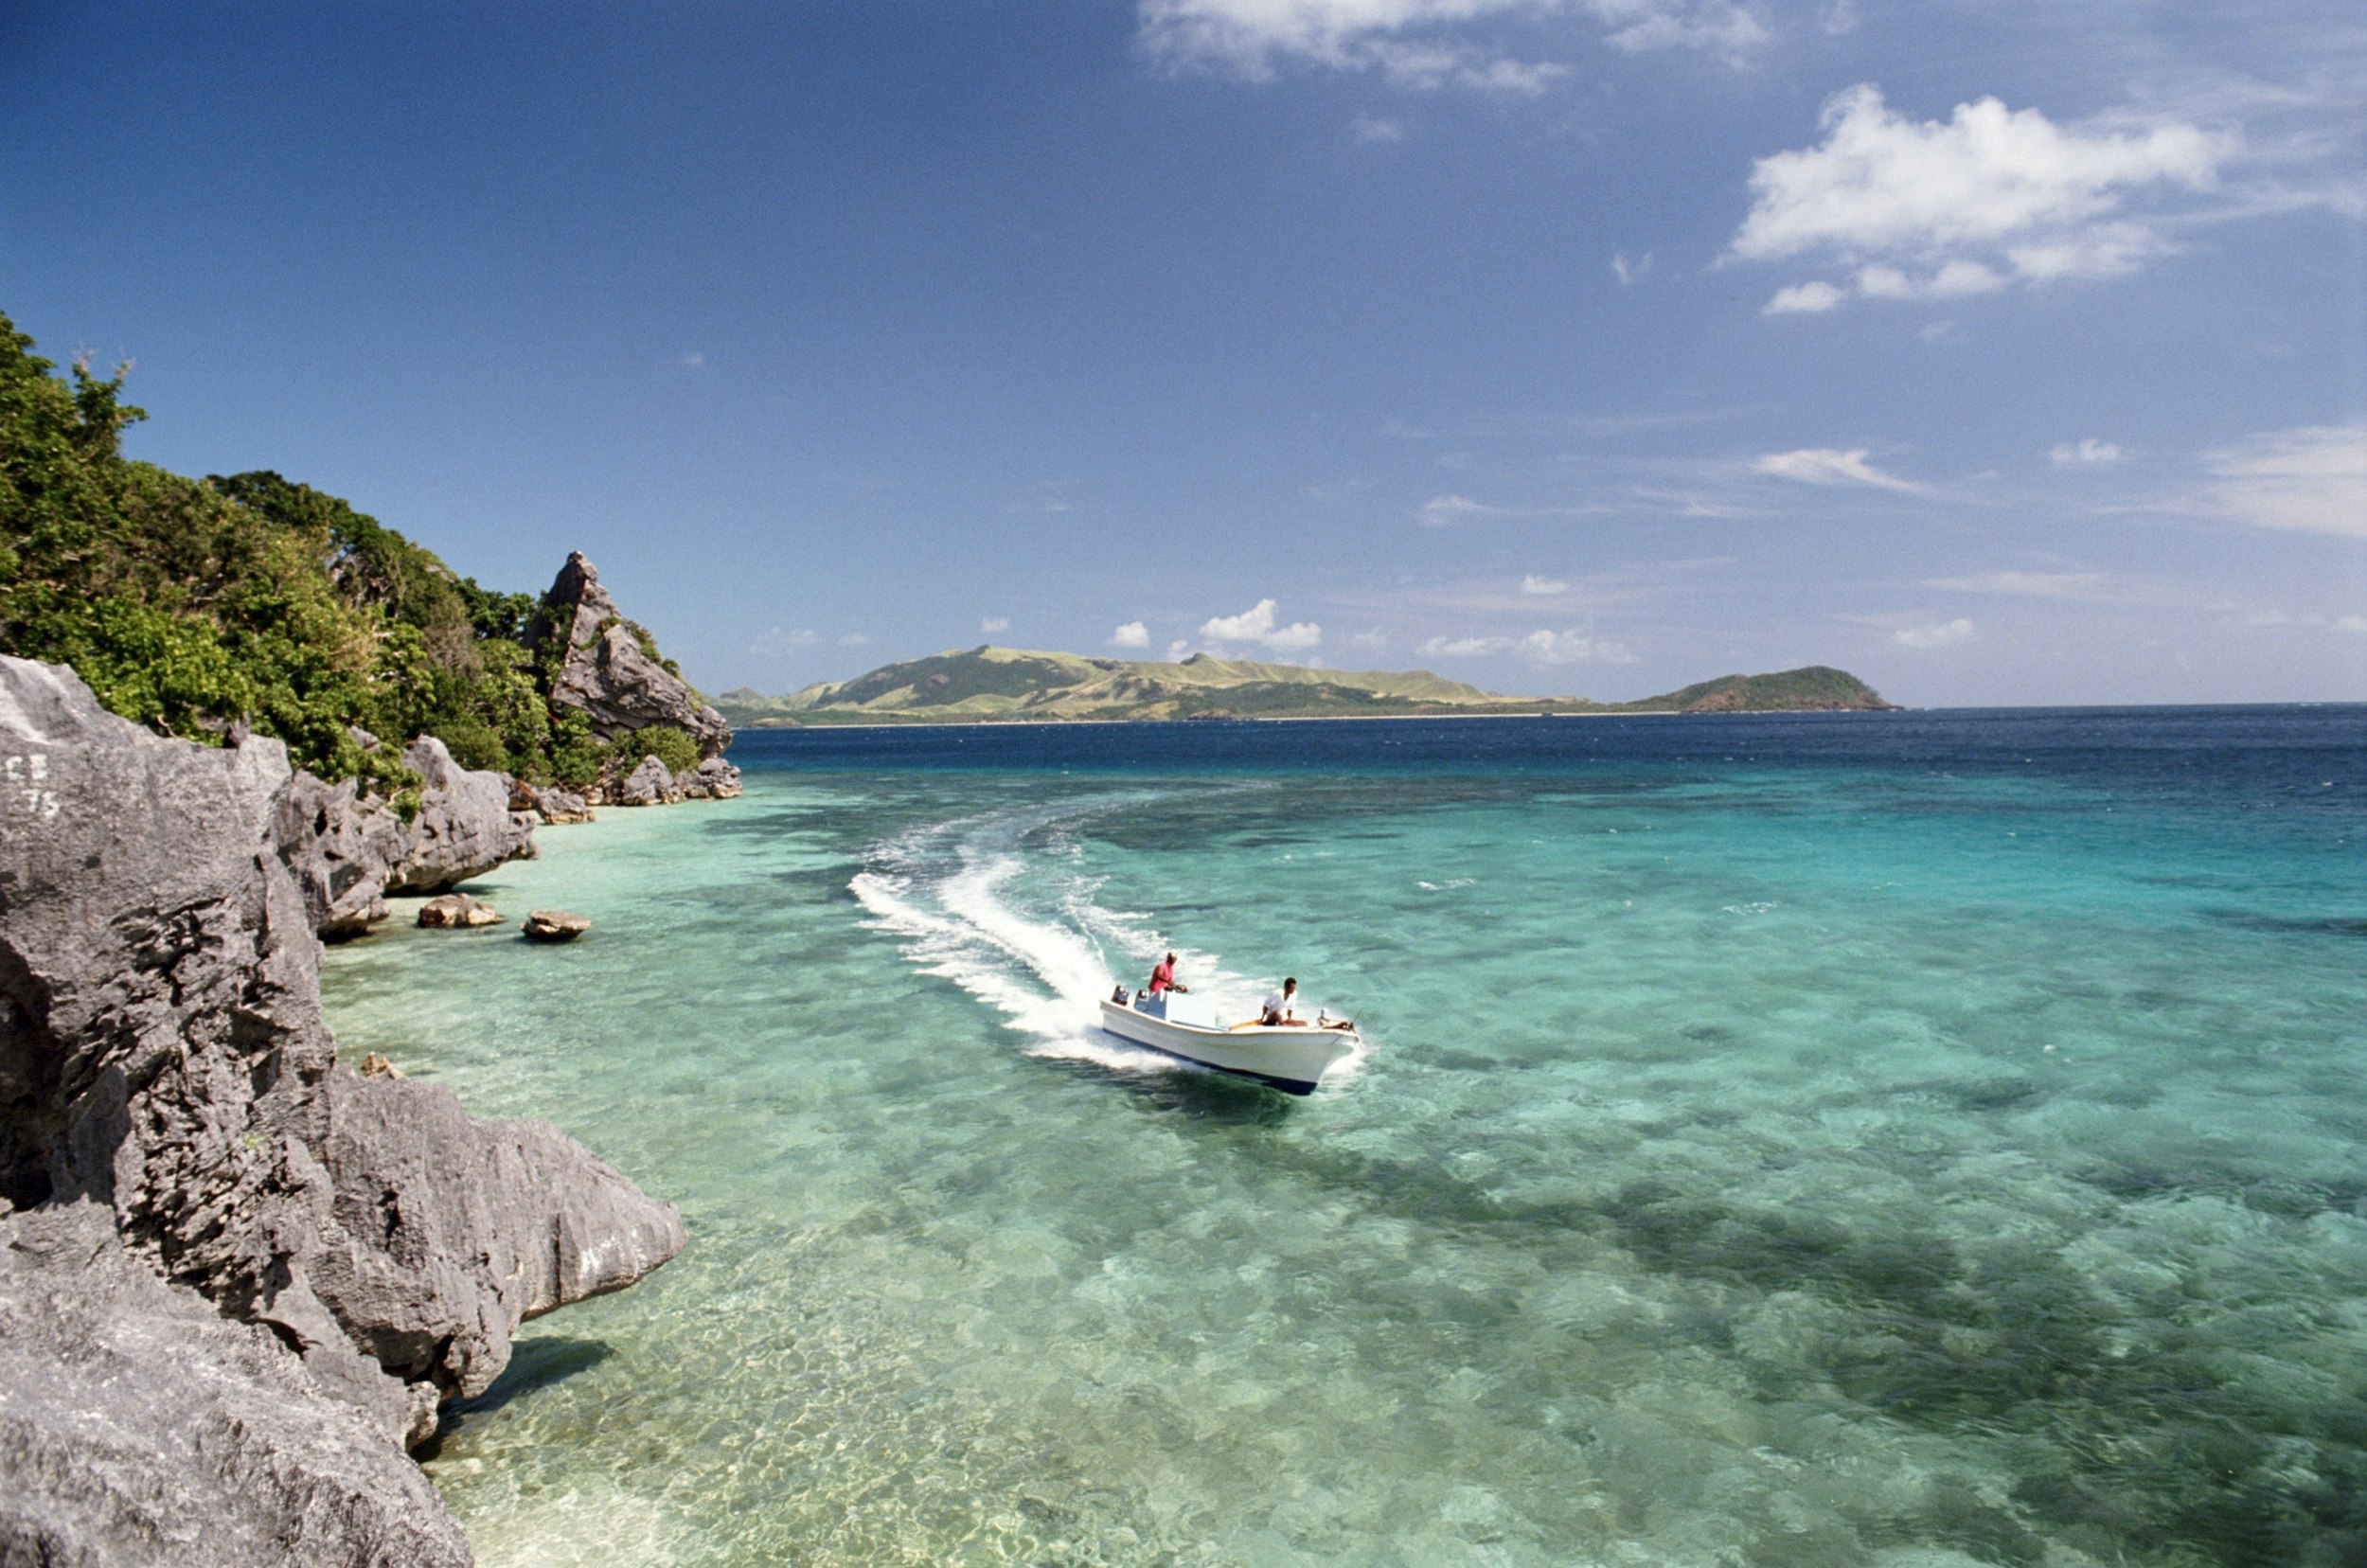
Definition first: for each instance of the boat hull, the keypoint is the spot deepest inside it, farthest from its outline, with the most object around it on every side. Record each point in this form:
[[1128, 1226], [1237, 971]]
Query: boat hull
[[1293, 1060]]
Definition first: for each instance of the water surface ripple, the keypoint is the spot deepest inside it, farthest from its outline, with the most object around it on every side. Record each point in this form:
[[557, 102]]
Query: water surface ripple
[[1914, 1140]]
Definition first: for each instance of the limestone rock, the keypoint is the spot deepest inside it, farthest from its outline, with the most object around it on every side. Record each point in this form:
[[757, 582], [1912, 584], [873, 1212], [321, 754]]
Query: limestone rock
[[553, 925], [549, 802], [604, 670], [163, 1058], [458, 910], [646, 785], [465, 827], [455, 1230], [139, 1427], [713, 780], [340, 850]]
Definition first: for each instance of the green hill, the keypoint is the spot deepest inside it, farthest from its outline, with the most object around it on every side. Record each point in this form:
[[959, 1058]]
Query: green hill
[[989, 684]]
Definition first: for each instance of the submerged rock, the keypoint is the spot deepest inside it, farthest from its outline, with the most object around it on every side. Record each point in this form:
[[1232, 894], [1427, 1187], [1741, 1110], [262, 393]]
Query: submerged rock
[[163, 1058], [456, 910], [553, 925], [647, 785], [605, 669]]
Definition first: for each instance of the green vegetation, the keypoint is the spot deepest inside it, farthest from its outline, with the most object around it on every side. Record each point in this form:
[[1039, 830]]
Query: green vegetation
[[671, 746], [191, 605], [1000, 684]]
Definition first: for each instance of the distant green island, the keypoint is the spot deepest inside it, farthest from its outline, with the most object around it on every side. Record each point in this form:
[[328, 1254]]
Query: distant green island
[[992, 684]]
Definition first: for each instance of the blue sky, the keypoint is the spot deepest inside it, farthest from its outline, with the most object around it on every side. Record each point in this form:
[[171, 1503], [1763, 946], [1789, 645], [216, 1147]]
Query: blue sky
[[1999, 353]]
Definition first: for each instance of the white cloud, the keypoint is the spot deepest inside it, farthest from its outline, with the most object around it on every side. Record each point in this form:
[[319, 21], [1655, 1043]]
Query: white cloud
[[1370, 641], [1378, 130], [854, 639], [1935, 209], [1826, 466], [1257, 625], [1630, 273], [2055, 585], [779, 640], [1463, 647], [2312, 479], [1424, 43], [1559, 647], [1132, 634], [1933, 634], [993, 624], [1441, 511], [1542, 586], [1544, 647], [2085, 453], [1176, 650], [693, 359], [1811, 298]]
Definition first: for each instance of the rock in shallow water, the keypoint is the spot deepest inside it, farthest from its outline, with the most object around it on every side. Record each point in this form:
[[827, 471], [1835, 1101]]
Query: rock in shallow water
[[458, 910], [553, 925], [647, 785]]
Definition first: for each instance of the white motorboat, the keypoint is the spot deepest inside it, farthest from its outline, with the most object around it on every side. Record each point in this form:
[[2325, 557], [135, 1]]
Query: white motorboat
[[1290, 1057]]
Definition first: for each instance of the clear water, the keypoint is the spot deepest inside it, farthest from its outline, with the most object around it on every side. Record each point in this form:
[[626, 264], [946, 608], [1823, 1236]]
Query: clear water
[[1917, 1140]]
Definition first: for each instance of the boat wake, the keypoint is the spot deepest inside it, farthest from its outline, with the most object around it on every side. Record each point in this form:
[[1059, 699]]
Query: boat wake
[[997, 905]]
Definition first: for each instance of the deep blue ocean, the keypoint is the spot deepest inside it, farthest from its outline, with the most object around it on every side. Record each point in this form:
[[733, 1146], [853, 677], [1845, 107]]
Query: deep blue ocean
[[1918, 1140]]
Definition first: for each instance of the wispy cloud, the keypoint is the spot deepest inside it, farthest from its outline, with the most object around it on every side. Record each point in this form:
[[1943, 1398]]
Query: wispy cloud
[[1543, 587], [1542, 647], [2312, 479], [1829, 466], [2085, 453], [780, 640], [1937, 209], [1379, 130], [1929, 634], [1630, 273], [1426, 44], [692, 359], [2053, 585], [993, 624], [1258, 625], [1132, 634]]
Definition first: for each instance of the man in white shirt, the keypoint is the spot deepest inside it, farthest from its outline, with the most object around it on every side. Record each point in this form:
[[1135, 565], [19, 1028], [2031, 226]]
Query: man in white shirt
[[1280, 1005]]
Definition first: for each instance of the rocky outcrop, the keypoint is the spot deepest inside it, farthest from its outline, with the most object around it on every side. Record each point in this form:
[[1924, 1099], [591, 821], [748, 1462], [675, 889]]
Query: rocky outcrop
[[163, 1058], [457, 911], [553, 925], [549, 802], [347, 850], [605, 669], [646, 785], [713, 780], [138, 1425], [464, 828]]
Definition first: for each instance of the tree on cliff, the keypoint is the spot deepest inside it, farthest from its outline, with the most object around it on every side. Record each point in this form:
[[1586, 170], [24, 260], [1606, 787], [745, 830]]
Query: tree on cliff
[[190, 605]]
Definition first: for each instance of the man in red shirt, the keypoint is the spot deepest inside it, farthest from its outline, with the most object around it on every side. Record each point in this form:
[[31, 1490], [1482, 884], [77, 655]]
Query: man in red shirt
[[1163, 979]]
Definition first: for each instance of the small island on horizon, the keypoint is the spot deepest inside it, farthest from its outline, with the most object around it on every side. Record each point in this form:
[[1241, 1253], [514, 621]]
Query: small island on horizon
[[992, 685]]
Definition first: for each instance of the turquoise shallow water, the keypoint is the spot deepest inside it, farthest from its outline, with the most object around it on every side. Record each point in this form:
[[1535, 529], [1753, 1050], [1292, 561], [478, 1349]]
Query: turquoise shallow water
[[1923, 1141]]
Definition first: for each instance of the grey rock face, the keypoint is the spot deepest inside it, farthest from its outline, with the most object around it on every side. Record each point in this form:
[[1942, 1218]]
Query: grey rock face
[[138, 1426], [347, 852], [646, 785], [162, 1057], [605, 672], [549, 802], [713, 780], [454, 1231], [465, 827]]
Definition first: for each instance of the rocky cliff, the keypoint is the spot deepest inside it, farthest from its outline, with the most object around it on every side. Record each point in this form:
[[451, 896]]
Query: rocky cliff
[[608, 668], [170, 1103]]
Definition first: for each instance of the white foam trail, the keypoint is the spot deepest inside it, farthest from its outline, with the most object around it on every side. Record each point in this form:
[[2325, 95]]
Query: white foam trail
[[949, 891]]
